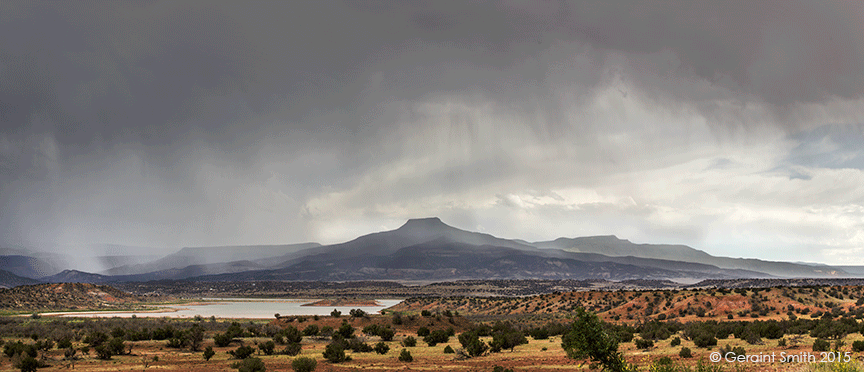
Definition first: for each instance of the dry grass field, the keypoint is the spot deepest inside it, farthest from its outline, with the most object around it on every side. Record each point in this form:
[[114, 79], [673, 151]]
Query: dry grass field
[[685, 311]]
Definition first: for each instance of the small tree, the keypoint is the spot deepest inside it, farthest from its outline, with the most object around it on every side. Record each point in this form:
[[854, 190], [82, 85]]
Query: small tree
[[194, 337], [346, 330], [386, 333], [209, 353], [335, 313], [335, 353], [471, 344], [304, 364], [588, 339]]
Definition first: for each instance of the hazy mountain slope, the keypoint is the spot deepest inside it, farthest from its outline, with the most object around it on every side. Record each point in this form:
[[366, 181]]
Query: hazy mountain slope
[[856, 271], [9, 280], [613, 246], [415, 231], [26, 266], [445, 259], [75, 276], [195, 256], [191, 271]]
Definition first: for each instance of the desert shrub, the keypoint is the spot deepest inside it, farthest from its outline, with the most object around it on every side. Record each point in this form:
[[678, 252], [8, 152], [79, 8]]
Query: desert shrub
[[335, 313], [675, 342], [102, 352], [381, 348], [409, 341], [422, 332], [405, 356], [438, 336], [386, 333], [209, 353], [242, 352], [508, 339], [292, 348], [540, 333], [665, 364], [426, 313], [371, 330], [737, 350], [292, 335], [359, 346], [27, 364], [64, 343], [335, 353], [820, 345], [472, 344], [249, 365], [705, 340], [267, 347], [858, 346], [311, 330], [685, 352], [345, 330], [501, 369], [655, 330], [304, 364], [222, 339], [357, 313], [449, 350], [175, 343], [643, 343]]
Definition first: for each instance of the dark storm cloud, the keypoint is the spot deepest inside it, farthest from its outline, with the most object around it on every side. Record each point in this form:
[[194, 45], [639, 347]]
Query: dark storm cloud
[[140, 117]]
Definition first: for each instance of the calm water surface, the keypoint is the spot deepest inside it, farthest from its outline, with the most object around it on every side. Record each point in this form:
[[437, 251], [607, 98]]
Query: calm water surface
[[236, 308]]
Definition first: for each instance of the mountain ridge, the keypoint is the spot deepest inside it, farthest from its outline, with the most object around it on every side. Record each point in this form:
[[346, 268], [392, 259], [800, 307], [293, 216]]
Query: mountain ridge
[[428, 248]]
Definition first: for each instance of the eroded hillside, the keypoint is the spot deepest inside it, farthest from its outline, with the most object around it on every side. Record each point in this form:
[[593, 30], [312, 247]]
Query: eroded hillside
[[684, 305], [68, 296]]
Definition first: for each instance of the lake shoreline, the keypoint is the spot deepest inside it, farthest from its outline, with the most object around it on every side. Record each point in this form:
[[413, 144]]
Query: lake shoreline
[[238, 308]]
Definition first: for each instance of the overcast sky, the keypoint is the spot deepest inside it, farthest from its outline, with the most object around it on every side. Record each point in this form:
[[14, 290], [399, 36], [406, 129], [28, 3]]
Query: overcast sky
[[736, 127]]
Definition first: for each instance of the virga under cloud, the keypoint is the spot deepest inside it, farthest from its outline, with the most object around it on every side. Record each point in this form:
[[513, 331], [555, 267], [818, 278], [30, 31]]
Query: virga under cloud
[[733, 126]]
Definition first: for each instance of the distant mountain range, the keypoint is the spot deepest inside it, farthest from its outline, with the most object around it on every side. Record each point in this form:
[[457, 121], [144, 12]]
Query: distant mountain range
[[428, 249]]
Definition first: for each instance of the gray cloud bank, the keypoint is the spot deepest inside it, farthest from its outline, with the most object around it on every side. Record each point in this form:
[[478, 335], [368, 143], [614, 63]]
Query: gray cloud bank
[[175, 123]]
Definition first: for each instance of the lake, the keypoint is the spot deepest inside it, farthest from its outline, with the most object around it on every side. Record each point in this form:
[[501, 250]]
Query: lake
[[253, 308]]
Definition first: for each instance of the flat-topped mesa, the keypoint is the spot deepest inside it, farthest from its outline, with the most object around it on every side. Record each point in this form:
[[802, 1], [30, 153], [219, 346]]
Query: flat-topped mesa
[[430, 223]]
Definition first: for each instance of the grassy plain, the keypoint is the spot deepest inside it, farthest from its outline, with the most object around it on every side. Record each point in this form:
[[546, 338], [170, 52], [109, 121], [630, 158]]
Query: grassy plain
[[685, 309]]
